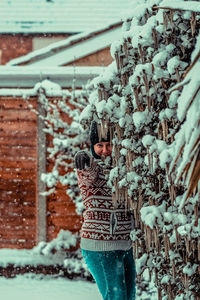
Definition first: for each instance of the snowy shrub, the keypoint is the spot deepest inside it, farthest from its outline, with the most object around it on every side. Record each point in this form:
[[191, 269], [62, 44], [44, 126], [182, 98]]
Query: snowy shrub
[[61, 123], [149, 100], [64, 241], [71, 262]]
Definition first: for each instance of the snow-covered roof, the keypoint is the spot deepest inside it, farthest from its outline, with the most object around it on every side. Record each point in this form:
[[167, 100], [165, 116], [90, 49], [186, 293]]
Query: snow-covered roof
[[58, 16], [183, 5], [72, 48], [26, 77]]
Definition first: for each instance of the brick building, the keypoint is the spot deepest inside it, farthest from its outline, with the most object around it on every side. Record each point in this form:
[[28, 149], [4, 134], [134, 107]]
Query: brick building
[[85, 49], [26, 216], [27, 25]]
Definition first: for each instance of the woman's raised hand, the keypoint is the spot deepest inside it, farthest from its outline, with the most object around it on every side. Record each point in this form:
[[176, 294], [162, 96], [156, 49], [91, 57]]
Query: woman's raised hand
[[82, 160]]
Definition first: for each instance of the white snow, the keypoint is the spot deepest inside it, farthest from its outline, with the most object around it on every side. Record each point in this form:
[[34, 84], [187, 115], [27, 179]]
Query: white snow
[[33, 287], [25, 257], [190, 269], [150, 215], [140, 118], [60, 16], [189, 5]]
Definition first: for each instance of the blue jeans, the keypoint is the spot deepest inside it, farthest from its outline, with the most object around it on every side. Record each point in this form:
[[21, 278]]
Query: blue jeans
[[114, 273]]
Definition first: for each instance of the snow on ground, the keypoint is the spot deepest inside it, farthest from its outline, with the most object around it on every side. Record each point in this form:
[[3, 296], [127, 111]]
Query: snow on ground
[[40, 287], [31, 286], [27, 287]]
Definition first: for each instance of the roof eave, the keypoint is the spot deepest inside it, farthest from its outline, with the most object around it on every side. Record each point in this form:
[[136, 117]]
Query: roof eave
[[27, 77]]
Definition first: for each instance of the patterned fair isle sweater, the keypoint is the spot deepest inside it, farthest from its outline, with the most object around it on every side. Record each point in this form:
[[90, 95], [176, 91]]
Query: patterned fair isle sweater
[[105, 227]]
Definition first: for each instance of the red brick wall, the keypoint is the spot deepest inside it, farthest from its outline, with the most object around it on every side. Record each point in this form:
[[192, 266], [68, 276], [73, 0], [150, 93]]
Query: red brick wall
[[18, 173], [13, 46], [18, 180], [61, 213], [100, 58]]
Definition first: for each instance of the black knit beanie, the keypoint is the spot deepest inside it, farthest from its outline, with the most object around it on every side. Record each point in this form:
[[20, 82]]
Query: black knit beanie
[[94, 138]]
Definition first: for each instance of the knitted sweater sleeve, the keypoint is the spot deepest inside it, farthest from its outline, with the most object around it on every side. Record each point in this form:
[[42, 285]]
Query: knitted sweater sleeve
[[88, 175]]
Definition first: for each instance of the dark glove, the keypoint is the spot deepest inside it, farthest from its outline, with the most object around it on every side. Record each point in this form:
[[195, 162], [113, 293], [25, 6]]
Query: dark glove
[[82, 160]]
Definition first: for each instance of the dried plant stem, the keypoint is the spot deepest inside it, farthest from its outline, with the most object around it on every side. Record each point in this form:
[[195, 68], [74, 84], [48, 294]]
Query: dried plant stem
[[141, 53], [164, 130], [117, 61], [125, 49], [193, 22], [137, 97], [155, 38]]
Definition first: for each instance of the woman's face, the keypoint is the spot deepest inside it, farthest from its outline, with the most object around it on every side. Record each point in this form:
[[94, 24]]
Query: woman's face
[[103, 149]]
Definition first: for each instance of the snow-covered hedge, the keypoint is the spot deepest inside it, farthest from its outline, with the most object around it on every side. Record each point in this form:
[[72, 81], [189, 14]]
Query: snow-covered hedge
[[61, 110]]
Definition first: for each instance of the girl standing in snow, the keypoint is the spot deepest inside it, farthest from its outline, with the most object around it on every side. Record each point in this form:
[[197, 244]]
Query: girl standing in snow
[[105, 233]]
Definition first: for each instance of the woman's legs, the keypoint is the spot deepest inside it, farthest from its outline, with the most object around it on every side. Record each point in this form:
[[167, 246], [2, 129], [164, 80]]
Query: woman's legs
[[114, 273], [93, 261], [130, 274]]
